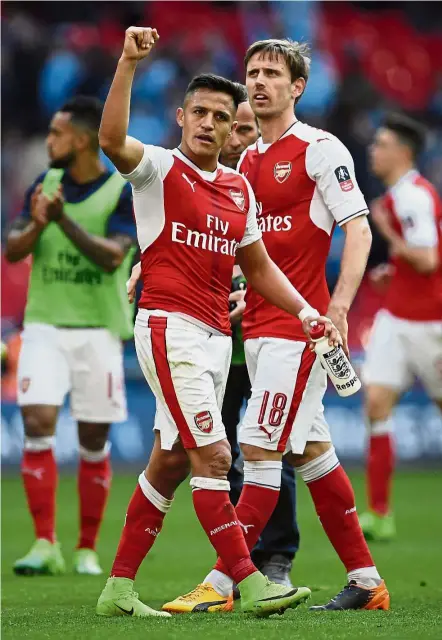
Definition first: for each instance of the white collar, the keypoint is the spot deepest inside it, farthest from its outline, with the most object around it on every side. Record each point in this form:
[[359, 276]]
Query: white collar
[[263, 146], [410, 175], [210, 176]]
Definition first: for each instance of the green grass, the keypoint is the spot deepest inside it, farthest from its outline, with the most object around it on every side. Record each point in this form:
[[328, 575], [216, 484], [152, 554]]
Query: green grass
[[63, 607]]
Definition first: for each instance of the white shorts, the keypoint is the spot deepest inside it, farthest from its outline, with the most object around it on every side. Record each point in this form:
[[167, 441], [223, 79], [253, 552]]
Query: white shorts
[[285, 410], [87, 363], [186, 367], [401, 350]]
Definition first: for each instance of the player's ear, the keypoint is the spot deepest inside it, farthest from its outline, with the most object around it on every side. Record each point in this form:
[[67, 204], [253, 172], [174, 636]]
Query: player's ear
[[180, 117], [82, 140], [298, 87], [234, 125]]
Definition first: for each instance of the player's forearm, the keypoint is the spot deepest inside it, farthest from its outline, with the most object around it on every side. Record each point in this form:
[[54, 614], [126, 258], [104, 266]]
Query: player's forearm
[[21, 242], [115, 117], [354, 261], [422, 259], [275, 287], [103, 252]]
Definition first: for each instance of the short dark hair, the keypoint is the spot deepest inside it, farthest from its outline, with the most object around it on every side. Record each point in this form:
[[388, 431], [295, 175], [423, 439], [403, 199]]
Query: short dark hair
[[243, 92], [409, 132], [216, 83], [86, 113], [296, 55]]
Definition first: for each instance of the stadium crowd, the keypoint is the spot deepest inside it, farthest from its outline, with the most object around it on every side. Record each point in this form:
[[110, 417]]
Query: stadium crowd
[[358, 74]]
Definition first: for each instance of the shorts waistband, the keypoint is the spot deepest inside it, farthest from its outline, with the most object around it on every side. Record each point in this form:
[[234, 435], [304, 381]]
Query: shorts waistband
[[172, 321]]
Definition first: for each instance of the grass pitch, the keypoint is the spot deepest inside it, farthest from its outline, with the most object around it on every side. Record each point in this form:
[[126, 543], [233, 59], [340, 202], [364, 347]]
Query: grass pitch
[[63, 607]]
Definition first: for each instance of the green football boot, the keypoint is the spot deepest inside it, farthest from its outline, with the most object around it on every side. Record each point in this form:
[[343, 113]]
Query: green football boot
[[118, 598], [44, 558], [86, 562], [262, 598], [376, 527]]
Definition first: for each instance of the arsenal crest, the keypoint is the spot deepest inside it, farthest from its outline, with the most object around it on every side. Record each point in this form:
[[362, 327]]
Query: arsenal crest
[[24, 384], [282, 171], [204, 421], [238, 198], [337, 364]]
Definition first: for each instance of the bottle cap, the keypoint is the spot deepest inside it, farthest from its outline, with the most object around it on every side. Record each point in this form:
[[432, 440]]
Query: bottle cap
[[317, 331]]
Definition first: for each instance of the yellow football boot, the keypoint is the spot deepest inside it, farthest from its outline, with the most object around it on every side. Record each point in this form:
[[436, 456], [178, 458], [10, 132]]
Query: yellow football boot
[[203, 599]]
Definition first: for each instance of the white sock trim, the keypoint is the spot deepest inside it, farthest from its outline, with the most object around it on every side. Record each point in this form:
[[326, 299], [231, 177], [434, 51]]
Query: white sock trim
[[209, 483], [367, 577], [381, 427], [39, 444], [263, 473], [160, 502], [95, 456], [319, 467], [220, 582]]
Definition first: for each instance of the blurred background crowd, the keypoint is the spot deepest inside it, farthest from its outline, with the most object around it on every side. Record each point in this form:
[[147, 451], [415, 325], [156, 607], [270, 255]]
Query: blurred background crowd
[[368, 58]]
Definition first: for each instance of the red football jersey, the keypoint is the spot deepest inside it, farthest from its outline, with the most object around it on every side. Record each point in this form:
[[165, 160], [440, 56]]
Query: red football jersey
[[415, 211], [190, 224], [304, 184]]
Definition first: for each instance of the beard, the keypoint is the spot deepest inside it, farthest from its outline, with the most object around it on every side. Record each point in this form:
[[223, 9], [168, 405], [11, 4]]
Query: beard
[[64, 162]]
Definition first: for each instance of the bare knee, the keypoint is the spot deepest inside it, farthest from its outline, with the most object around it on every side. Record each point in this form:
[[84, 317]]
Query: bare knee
[[379, 402], [167, 469], [212, 461], [257, 454], [39, 421], [93, 436], [312, 451]]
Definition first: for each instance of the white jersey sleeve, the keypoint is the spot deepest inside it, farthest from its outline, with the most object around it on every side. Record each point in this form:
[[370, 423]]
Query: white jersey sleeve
[[415, 209], [330, 165], [154, 165], [252, 233]]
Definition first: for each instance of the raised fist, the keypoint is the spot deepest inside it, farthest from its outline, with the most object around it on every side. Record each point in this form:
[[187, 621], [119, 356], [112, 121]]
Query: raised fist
[[138, 42]]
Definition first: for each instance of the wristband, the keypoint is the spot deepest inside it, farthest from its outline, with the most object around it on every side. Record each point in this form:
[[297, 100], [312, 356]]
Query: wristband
[[307, 312]]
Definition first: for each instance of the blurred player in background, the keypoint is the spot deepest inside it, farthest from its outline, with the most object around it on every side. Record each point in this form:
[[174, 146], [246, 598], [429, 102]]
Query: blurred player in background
[[77, 224], [194, 219], [406, 340], [304, 184], [279, 541]]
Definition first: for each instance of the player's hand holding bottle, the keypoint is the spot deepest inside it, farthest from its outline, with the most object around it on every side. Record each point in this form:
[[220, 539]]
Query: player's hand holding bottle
[[138, 43], [330, 331]]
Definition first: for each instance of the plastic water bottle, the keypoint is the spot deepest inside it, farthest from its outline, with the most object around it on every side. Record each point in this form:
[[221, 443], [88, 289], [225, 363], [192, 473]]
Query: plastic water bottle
[[335, 362]]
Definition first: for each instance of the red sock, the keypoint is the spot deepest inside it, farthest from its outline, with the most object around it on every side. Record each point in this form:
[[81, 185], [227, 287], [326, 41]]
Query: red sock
[[141, 528], [39, 472], [255, 506], [94, 479], [335, 505], [380, 467], [220, 522]]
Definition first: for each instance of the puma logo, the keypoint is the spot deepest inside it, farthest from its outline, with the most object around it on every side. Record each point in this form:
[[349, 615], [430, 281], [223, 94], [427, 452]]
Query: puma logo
[[246, 527], [268, 433], [101, 481], [189, 182], [36, 473]]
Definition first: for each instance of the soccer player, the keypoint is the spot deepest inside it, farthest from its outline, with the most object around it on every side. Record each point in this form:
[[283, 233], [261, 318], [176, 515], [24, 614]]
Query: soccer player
[[279, 541], [77, 224], [407, 334], [304, 183], [194, 218]]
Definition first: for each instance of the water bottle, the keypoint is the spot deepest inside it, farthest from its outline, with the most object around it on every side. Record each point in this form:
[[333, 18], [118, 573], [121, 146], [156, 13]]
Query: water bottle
[[335, 362]]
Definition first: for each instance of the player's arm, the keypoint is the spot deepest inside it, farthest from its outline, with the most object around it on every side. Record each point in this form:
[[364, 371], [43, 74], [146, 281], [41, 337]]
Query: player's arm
[[269, 281], [25, 231], [418, 246], [106, 252], [357, 246], [330, 165], [125, 152]]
